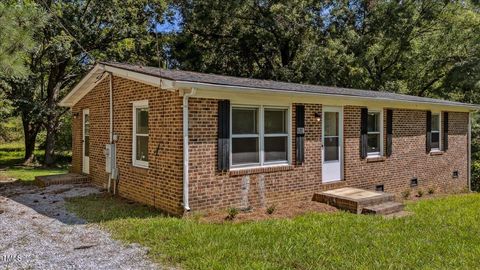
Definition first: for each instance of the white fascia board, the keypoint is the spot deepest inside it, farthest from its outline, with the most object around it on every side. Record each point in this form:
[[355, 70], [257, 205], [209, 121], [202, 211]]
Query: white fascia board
[[82, 87], [140, 77], [213, 90], [90, 81]]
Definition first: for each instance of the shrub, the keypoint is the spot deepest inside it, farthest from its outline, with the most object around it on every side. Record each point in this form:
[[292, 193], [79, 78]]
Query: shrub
[[232, 213], [420, 193], [406, 194], [431, 191], [271, 209]]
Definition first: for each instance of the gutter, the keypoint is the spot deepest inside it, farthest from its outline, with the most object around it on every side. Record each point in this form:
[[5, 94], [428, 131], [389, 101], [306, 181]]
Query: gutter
[[110, 85], [469, 148], [219, 87], [192, 92]]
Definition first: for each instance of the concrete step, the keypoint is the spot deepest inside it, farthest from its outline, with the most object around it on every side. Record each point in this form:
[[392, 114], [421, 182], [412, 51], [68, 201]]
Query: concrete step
[[385, 208]]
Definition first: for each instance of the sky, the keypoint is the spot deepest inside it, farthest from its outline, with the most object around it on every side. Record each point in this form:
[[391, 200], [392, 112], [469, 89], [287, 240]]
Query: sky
[[170, 26]]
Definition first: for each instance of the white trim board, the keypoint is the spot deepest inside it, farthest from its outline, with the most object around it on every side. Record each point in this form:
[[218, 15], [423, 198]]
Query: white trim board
[[217, 91]]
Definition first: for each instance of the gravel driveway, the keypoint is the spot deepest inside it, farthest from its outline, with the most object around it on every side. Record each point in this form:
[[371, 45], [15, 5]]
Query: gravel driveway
[[36, 232]]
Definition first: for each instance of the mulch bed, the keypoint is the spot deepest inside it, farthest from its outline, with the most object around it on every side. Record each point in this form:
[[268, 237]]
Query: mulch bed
[[289, 209]]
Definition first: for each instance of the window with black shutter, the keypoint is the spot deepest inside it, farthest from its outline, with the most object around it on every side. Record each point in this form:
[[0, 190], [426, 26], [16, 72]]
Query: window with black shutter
[[300, 134], [223, 135], [445, 131], [389, 132]]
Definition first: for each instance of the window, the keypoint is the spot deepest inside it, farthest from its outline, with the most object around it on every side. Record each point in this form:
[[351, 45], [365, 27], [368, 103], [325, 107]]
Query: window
[[140, 134], [374, 137], [435, 143], [259, 136]]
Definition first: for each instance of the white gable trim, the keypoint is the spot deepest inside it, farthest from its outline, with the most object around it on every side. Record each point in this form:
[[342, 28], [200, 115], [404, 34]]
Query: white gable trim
[[97, 74]]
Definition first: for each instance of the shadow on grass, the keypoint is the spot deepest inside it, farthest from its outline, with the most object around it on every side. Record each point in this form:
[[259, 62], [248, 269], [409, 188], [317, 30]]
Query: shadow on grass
[[105, 207]]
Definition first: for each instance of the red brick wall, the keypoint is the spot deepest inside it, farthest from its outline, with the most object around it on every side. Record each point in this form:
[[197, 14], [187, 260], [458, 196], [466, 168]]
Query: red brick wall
[[161, 184], [211, 189], [252, 188], [409, 158]]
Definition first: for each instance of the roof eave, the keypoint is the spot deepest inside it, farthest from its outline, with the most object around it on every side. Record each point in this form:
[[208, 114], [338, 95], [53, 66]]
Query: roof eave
[[210, 86], [81, 88]]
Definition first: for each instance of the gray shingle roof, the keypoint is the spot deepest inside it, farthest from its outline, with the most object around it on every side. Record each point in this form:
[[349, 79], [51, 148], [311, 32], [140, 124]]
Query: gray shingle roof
[[196, 77]]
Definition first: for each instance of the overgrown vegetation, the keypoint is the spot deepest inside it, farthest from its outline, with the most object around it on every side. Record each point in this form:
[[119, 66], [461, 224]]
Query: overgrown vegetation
[[432, 238]]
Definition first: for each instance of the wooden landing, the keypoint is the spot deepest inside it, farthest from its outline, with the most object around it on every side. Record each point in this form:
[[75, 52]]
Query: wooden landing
[[59, 179], [360, 201]]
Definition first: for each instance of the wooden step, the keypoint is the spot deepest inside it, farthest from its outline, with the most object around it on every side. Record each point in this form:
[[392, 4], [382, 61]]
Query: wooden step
[[385, 208], [353, 199]]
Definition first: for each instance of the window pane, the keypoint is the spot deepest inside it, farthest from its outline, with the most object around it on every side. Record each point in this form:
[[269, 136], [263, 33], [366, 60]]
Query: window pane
[[275, 121], [435, 140], [87, 125], [373, 122], [142, 148], [331, 149], [373, 143], [275, 149], [244, 121], [142, 121], [245, 151], [87, 145], [331, 123], [435, 122]]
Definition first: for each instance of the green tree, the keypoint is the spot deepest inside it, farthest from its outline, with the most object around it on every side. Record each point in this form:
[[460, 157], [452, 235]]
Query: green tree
[[426, 48], [19, 21], [78, 34]]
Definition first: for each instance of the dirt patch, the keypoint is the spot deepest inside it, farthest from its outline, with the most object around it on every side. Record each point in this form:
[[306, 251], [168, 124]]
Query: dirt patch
[[289, 209]]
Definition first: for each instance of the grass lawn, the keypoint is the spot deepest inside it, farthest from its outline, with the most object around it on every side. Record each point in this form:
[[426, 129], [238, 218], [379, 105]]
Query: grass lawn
[[11, 157], [443, 233]]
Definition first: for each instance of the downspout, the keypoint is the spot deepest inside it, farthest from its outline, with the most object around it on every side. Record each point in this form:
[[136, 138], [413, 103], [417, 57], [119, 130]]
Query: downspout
[[186, 205], [470, 119], [110, 175]]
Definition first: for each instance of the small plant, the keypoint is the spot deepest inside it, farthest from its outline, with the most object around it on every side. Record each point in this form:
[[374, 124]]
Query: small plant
[[420, 193], [406, 194], [271, 209], [232, 213], [431, 191]]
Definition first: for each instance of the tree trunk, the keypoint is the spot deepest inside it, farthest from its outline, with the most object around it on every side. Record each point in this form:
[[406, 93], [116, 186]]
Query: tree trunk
[[30, 132], [50, 143]]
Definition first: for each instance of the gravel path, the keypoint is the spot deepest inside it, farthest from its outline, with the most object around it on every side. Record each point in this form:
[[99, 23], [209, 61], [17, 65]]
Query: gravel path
[[36, 232]]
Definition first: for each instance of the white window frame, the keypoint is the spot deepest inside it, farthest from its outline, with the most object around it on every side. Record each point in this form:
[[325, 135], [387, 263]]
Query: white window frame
[[439, 132], [261, 136], [142, 104], [380, 132]]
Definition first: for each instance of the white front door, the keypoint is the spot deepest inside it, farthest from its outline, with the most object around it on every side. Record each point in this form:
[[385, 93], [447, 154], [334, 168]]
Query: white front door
[[332, 144], [86, 141]]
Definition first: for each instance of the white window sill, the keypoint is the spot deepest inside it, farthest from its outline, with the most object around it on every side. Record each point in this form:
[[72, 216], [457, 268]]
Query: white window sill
[[142, 166], [375, 158], [234, 168], [436, 152]]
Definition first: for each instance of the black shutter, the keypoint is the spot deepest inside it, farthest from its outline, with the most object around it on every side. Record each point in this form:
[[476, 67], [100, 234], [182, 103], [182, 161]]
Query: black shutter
[[445, 131], [389, 132], [363, 132], [300, 134], [429, 132], [223, 135]]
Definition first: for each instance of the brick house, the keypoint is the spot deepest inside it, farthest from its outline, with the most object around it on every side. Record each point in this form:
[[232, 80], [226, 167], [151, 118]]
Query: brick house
[[184, 141]]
